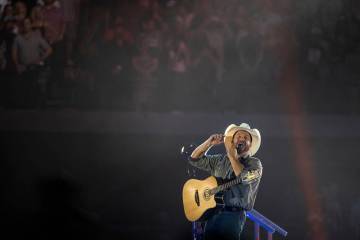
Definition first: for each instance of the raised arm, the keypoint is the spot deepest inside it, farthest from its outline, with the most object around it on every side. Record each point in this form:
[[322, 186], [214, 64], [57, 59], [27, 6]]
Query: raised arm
[[205, 162], [214, 139]]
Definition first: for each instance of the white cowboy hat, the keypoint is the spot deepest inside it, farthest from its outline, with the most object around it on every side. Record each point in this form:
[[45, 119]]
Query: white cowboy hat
[[254, 133]]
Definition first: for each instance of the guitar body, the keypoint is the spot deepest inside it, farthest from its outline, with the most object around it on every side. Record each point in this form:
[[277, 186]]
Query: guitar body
[[196, 198]]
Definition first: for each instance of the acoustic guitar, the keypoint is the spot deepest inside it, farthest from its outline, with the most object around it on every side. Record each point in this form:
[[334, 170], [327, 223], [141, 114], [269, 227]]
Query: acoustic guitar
[[199, 195]]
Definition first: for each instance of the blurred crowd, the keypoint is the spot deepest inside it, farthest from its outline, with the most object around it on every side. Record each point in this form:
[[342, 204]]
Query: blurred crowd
[[163, 54]]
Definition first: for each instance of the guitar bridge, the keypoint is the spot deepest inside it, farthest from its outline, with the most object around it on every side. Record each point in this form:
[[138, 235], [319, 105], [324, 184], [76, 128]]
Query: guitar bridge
[[207, 194]]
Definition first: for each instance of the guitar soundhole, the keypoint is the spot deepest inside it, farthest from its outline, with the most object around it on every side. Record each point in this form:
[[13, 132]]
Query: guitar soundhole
[[197, 200], [207, 194]]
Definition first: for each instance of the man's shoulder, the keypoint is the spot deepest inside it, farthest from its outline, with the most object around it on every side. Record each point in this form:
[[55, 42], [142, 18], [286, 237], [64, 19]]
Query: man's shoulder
[[254, 161]]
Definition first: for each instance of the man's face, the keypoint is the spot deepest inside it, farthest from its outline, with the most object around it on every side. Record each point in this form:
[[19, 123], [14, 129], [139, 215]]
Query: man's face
[[242, 136]]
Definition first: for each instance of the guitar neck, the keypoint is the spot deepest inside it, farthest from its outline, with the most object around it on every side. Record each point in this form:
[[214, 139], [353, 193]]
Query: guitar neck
[[225, 186]]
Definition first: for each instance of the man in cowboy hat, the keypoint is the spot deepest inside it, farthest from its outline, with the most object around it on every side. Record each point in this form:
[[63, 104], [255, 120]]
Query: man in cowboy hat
[[241, 143]]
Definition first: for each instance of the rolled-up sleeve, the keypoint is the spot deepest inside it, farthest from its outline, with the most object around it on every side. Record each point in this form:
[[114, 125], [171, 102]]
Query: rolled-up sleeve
[[206, 162]]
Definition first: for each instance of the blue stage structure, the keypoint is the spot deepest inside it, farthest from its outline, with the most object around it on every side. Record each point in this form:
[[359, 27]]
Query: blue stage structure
[[261, 221]]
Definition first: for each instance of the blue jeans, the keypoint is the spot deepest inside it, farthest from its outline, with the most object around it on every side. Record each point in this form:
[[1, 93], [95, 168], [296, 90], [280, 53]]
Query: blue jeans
[[225, 225]]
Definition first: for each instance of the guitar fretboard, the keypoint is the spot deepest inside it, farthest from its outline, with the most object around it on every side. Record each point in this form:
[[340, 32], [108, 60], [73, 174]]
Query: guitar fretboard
[[225, 186]]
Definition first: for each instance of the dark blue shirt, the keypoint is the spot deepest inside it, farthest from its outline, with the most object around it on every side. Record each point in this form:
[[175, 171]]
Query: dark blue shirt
[[242, 195]]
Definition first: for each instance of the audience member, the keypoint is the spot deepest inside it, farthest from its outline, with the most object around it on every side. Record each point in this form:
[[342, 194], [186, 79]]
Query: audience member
[[71, 19], [179, 61], [20, 13], [37, 19], [54, 22], [145, 66], [29, 52], [151, 36], [7, 24]]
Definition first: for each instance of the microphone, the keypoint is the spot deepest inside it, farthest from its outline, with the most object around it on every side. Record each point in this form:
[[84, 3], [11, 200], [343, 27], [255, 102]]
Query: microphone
[[241, 147]]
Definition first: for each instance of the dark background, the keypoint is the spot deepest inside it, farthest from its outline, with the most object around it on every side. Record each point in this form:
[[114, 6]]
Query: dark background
[[103, 184]]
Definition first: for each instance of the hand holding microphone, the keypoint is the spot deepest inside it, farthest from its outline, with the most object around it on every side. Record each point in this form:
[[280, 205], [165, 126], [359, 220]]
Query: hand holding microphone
[[230, 147], [242, 147]]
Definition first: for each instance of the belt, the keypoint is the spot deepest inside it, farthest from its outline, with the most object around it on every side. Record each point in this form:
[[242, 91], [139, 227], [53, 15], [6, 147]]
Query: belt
[[231, 209]]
